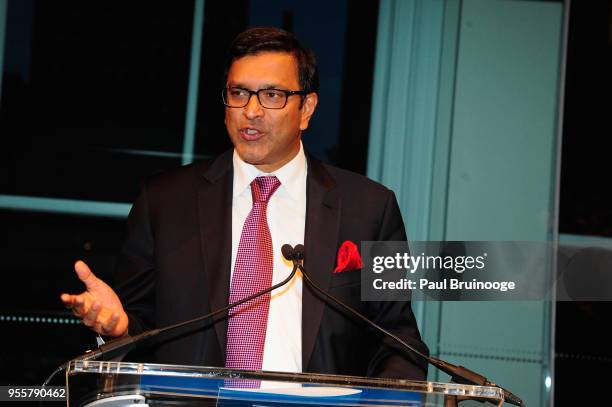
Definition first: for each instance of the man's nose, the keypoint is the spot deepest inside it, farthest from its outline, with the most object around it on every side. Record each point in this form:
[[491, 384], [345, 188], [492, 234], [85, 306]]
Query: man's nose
[[253, 108]]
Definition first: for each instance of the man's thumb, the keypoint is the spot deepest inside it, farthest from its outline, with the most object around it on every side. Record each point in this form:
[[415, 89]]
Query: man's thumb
[[85, 274]]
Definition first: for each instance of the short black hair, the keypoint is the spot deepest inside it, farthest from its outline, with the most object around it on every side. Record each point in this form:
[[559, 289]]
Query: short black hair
[[271, 39]]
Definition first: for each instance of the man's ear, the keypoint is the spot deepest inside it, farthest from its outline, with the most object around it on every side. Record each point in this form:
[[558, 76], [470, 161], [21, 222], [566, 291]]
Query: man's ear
[[308, 107]]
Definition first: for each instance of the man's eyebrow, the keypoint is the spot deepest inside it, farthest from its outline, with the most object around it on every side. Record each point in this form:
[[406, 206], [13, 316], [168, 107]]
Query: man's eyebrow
[[272, 86], [264, 86]]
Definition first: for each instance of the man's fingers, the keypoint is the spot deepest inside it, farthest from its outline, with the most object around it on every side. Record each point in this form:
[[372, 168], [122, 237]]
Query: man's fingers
[[107, 327], [91, 315], [98, 307], [85, 274], [68, 300], [79, 304]]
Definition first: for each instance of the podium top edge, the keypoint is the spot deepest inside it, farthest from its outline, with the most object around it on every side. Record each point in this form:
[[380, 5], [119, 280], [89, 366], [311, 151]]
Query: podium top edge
[[220, 373]]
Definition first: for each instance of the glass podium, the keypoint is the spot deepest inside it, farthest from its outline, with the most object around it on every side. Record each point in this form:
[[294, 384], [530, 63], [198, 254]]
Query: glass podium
[[121, 384]]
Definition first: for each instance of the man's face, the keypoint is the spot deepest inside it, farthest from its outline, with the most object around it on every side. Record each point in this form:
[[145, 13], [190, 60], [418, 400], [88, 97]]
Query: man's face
[[267, 138]]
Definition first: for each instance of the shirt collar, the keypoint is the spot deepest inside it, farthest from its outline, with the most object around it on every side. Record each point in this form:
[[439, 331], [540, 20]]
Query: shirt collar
[[290, 175]]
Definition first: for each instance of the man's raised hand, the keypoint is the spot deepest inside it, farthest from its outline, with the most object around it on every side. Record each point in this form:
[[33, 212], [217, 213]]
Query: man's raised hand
[[98, 306]]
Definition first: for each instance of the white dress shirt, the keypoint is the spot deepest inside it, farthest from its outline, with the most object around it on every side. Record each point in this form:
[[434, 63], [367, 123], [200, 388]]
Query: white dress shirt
[[286, 215]]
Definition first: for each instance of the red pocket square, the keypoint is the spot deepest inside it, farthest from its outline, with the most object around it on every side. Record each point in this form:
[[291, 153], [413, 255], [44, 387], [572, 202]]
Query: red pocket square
[[348, 257]]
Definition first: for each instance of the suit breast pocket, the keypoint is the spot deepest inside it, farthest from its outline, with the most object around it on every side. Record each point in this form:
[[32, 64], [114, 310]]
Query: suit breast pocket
[[346, 287], [345, 278]]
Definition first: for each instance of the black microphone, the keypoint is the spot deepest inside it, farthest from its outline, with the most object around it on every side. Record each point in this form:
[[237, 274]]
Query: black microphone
[[299, 252], [459, 374], [123, 345], [289, 252]]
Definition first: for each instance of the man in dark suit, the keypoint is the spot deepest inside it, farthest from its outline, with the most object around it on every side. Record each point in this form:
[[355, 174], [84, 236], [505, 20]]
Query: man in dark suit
[[184, 236]]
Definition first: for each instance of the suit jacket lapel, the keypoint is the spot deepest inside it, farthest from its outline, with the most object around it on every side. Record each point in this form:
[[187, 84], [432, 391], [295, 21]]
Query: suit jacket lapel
[[323, 210], [215, 216]]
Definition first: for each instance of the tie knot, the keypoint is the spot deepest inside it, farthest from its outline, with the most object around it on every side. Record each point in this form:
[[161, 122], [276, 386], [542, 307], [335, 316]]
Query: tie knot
[[262, 188]]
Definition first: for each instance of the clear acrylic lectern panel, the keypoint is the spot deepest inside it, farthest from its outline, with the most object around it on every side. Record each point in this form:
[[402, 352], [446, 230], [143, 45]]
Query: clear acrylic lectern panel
[[120, 384]]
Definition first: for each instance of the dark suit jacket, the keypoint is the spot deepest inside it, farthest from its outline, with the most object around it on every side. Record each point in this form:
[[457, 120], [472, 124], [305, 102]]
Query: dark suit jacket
[[175, 265]]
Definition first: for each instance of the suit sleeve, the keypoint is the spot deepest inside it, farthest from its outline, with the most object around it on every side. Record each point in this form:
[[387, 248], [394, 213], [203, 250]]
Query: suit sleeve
[[391, 360], [135, 271]]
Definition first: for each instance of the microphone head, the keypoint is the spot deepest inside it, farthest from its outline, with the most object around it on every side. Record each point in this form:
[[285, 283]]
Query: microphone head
[[288, 252], [299, 252]]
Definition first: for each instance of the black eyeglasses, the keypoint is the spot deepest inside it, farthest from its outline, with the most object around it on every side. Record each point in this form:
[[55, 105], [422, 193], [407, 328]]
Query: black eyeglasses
[[268, 98]]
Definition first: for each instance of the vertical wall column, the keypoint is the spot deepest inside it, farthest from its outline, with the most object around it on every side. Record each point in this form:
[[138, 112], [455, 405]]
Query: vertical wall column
[[194, 81], [403, 124], [404, 105], [3, 7]]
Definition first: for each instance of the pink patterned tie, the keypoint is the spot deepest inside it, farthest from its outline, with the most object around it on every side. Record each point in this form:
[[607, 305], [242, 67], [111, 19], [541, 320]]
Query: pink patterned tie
[[246, 331]]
